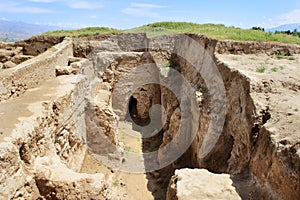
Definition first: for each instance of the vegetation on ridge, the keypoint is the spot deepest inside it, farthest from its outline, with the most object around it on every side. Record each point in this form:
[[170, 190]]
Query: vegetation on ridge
[[214, 31], [83, 32]]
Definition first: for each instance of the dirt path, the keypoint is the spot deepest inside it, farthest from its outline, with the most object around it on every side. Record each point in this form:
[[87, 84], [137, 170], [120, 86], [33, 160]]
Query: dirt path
[[26, 108], [124, 185]]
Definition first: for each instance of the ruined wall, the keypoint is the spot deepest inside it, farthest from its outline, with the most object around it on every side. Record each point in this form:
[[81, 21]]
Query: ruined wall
[[231, 154], [42, 154], [126, 72], [126, 42], [276, 167], [35, 71], [11, 55], [245, 47], [55, 130], [240, 147], [38, 44]]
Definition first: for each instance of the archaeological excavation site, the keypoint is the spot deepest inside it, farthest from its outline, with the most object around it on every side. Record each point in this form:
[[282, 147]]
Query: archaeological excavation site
[[130, 117]]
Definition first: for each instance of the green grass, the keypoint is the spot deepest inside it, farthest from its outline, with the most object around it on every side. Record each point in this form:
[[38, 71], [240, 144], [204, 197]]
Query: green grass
[[275, 69], [261, 69], [283, 55], [286, 57], [214, 31], [128, 149], [83, 32], [167, 64], [291, 58]]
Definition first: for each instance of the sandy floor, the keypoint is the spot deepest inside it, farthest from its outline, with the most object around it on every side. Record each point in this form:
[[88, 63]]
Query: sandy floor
[[124, 185]]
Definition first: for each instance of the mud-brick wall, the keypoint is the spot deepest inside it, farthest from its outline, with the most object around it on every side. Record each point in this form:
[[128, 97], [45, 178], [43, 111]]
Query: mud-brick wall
[[15, 81], [56, 131]]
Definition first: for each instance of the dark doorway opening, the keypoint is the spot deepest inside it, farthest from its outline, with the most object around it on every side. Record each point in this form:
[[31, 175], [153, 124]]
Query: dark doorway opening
[[132, 109]]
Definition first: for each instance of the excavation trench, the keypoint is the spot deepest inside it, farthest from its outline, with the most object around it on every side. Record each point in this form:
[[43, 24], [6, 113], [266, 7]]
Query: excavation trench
[[149, 118], [136, 139], [131, 117], [204, 106], [172, 98]]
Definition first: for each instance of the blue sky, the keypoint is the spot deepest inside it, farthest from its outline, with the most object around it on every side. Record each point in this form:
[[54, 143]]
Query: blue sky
[[130, 13]]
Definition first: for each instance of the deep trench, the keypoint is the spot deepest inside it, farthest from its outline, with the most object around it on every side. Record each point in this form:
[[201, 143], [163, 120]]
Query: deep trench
[[158, 181]]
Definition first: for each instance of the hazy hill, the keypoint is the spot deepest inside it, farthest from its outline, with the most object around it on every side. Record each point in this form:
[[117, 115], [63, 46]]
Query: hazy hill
[[16, 30], [285, 27]]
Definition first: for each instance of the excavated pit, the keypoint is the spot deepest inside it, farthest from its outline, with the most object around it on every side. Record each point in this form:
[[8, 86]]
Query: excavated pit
[[130, 117]]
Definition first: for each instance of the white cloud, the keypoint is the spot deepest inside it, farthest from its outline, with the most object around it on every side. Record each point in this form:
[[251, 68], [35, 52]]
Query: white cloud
[[290, 17], [84, 5], [93, 16], [43, 1], [71, 25], [14, 7], [143, 10], [140, 12], [144, 5], [286, 18], [4, 19]]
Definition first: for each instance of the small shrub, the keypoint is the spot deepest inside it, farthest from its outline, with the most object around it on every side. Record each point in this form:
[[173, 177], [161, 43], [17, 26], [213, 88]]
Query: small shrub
[[291, 58], [296, 109], [281, 55], [284, 55], [261, 69], [167, 64], [275, 69], [127, 148], [1, 133]]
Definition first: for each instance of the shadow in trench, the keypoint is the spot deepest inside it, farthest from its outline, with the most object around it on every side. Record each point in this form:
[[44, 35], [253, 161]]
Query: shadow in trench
[[157, 180], [245, 186]]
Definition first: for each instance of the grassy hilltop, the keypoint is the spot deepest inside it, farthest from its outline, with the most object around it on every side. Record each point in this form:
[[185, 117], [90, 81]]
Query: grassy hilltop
[[215, 31]]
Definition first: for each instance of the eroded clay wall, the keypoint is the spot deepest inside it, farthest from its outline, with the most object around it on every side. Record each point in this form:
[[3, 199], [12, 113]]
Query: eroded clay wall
[[35, 71], [244, 47], [55, 130], [242, 145]]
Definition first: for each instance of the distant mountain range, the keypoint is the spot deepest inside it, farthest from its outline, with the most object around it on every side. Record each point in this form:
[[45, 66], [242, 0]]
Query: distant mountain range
[[17, 30], [285, 27]]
